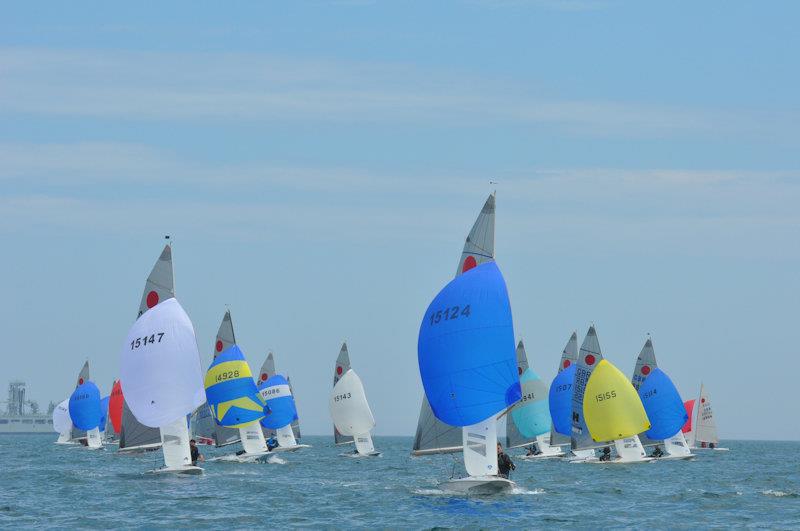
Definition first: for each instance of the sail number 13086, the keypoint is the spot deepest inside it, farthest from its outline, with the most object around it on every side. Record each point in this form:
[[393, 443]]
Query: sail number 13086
[[448, 314]]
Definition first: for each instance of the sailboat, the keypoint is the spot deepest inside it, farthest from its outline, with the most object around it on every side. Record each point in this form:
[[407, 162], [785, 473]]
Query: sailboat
[[104, 418], [84, 411], [605, 406], [160, 286], [663, 405], [560, 401], [349, 408], [528, 423], [281, 412], [434, 436], [62, 424], [206, 429], [162, 381], [267, 370], [700, 429], [236, 403], [468, 368]]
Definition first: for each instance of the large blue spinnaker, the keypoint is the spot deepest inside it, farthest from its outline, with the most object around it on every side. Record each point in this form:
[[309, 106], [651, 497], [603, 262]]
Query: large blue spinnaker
[[663, 405], [466, 349], [531, 414], [561, 400], [280, 409], [84, 406]]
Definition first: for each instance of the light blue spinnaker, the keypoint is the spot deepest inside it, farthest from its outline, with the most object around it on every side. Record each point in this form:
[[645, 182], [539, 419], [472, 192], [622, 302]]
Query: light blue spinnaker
[[84, 406], [280, 409], [561, 400], [532, 415], [663, 405], [466, 349]]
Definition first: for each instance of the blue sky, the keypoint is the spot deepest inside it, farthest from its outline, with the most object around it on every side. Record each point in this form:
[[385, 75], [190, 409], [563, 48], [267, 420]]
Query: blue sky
[[320, 163]]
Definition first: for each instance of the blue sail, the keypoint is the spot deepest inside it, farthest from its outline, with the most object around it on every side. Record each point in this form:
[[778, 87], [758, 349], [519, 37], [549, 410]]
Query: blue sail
[[663, 405], [84, 406], [561, 401], [280, 409], [532, 414], [231, 392], [104, 413], [466, 349]]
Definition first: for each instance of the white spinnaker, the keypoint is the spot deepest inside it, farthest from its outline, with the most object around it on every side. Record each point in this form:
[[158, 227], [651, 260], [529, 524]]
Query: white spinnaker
[[349, 407], [480, 447], [160, 367], [705, 429], [253, 440], [342, 366], [62, 423], [285, 436], [175, 443], [677, 445]]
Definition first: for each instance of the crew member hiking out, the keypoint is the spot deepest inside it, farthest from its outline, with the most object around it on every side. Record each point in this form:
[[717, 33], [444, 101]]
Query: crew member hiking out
[[504, 463]]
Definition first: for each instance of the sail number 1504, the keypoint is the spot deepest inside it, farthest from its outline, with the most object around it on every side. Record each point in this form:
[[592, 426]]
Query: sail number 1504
[[448, 314], [143, 341]]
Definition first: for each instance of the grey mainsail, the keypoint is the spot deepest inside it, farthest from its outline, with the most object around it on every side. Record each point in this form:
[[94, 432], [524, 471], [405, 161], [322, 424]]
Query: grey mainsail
[[590, 355], [434, 436], [267, 370], [645, 363], [160, 286], [342, 366], [514, 438], [568, 356], [83, 377], [225, 339]]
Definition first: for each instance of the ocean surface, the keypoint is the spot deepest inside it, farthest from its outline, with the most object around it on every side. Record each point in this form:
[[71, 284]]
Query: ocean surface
[[756, 484]]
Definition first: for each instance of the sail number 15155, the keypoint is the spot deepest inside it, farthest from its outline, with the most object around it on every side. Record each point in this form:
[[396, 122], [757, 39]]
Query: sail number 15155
[[448, 314]]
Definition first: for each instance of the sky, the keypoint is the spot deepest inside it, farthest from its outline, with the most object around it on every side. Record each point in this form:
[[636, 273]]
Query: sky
[[318, 165]]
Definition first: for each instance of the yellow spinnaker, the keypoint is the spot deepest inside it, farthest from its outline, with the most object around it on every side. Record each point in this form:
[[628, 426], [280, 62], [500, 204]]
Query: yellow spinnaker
[[611, 406]]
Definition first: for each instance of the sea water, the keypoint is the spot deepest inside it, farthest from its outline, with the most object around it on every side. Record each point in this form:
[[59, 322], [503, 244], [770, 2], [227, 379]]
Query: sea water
[[755, 484]]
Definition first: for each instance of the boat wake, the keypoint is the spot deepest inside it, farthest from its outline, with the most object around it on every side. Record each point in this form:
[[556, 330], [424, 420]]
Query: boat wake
[[780, 494], [275, 460]]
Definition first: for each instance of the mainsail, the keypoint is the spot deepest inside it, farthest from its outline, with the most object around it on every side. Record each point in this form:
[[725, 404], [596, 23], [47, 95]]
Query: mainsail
[[83, 377], [350, 411], [588, 359], [705, 429], [561, 394], [342, 366], [530, 417], [225, 339], [62, 424], [434, 436], [645, 364], [267, 371], [467, 361], [159, 287]]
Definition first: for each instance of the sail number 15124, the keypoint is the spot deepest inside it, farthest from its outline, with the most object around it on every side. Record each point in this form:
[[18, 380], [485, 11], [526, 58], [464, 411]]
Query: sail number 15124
[[448, 314]]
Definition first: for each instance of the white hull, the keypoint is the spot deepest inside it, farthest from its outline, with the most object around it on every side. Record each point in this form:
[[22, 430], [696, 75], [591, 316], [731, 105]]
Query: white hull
[[674, 457], [289, 448], [714, 449], [242, 458], [478, 485], [618, 461], [541, 457], [188, 470]]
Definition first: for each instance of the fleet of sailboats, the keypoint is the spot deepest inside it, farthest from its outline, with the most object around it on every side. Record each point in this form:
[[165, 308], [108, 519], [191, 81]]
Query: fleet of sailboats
[[473, 378]]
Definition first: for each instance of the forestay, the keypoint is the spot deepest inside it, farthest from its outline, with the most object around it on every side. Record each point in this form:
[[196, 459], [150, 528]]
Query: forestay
[[433, 435]]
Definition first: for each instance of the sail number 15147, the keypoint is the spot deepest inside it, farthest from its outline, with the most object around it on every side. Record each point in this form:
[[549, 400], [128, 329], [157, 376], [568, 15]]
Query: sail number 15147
[[143, 341], [448, 314]]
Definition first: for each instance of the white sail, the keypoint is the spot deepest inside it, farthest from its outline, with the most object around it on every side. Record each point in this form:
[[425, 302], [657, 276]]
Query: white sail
[[705, 429], [349, 408], [432, 435], [364, 444], [160, 367], [676, 446], [285, 436], [94, 439], [62, 423], [175, 443], [342, 366], [253, 440], [480, 447], [630, 449]]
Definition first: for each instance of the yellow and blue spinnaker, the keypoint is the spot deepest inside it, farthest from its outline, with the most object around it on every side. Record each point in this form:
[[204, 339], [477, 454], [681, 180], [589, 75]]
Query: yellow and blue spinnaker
[[231, 392]]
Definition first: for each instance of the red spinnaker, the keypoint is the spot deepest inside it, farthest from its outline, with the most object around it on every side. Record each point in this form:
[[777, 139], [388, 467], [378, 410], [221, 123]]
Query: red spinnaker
[[689, 405], [115, 406]]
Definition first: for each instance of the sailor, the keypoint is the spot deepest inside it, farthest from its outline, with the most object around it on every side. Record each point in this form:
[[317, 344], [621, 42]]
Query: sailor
[[606, 454], [195, 452], [504, 463], [272, 443], [533, 450], [657, 452], [712, 445]]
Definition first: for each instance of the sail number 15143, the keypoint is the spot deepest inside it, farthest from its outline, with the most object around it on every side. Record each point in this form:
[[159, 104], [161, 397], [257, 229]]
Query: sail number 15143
[[448, 314]]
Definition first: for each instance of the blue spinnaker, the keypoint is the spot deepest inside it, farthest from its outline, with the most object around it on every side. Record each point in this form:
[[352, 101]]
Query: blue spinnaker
[[663, 405], [531, 414], [561, 400], [84, 406], [104, 413], [466, 349], [280, 409], [231, 392]]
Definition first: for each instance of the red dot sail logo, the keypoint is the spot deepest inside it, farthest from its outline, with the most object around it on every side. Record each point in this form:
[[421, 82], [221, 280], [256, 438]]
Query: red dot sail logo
[[566, 363], [702, 400], [589, 359], [80, 381], [469, 263], [152, 299], [219, 345], [338, 370], [645, 369], [263, 377]]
